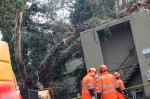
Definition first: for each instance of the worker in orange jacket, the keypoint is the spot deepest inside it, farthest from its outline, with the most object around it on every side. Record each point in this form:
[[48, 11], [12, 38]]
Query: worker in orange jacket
[[88, 84], [106, 85], [120, 84]]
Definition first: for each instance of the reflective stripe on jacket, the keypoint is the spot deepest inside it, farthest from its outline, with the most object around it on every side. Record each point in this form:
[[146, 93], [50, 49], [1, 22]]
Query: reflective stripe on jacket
[[87, 83], [106, 86], [121, 85]]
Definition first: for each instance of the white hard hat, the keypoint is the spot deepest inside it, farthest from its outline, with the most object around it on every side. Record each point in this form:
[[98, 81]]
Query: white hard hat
[[92, 69]]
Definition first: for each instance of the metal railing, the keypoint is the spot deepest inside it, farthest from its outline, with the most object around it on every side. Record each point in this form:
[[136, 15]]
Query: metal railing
[[128, 64]]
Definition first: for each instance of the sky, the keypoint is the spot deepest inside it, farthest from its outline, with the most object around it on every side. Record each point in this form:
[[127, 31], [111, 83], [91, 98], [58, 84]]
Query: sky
[[63, 13]]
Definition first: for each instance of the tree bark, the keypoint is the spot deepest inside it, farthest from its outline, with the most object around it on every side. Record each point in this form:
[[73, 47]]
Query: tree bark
[[17, 50], [62, 53]]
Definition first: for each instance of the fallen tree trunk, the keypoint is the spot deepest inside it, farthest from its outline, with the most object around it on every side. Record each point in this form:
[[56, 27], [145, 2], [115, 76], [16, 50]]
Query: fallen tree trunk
[[134, 7], [58, 59], [61, 53]]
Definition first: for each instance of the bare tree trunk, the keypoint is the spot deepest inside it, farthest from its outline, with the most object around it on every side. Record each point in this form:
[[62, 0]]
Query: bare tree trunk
[[17, 49]]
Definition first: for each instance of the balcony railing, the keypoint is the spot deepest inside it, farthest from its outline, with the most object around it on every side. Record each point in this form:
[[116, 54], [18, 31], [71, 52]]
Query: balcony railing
[[129, 64]]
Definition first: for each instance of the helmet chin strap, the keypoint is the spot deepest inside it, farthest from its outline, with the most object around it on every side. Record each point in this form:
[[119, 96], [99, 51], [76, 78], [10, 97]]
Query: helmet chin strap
[[117, 78], [100, 71], [103, 71]]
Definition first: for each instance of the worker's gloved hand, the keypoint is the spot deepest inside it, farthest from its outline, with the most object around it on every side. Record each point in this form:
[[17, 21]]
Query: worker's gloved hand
[[93, 97], [125, 92], [92, 92], [99, 95]]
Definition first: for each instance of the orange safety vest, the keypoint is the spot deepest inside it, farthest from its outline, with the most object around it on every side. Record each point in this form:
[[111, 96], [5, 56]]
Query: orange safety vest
[[106, 85], [88, 83], [121, 85]]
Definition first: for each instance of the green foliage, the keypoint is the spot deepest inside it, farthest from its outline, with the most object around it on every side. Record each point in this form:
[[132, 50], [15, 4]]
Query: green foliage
[[93, 22], [106, 11], [59, 89], [34, 49], [57, 74], [60, 94], [7, 18], [83, 8], [79, 74], [87, 11], [107, 33], [20, 5], [8, 10], [59, 31], [39, 39]]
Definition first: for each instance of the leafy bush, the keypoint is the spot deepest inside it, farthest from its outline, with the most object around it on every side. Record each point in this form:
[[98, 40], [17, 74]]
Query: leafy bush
[[79, 74]]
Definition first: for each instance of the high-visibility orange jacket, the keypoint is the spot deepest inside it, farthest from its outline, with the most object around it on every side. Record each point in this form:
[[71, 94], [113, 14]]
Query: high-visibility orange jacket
[[106, 85], [121, 85], [88, 83]]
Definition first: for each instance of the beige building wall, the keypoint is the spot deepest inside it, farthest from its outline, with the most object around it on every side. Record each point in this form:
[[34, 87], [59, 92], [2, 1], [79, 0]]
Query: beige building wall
[[91, 49], [140, 24]]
